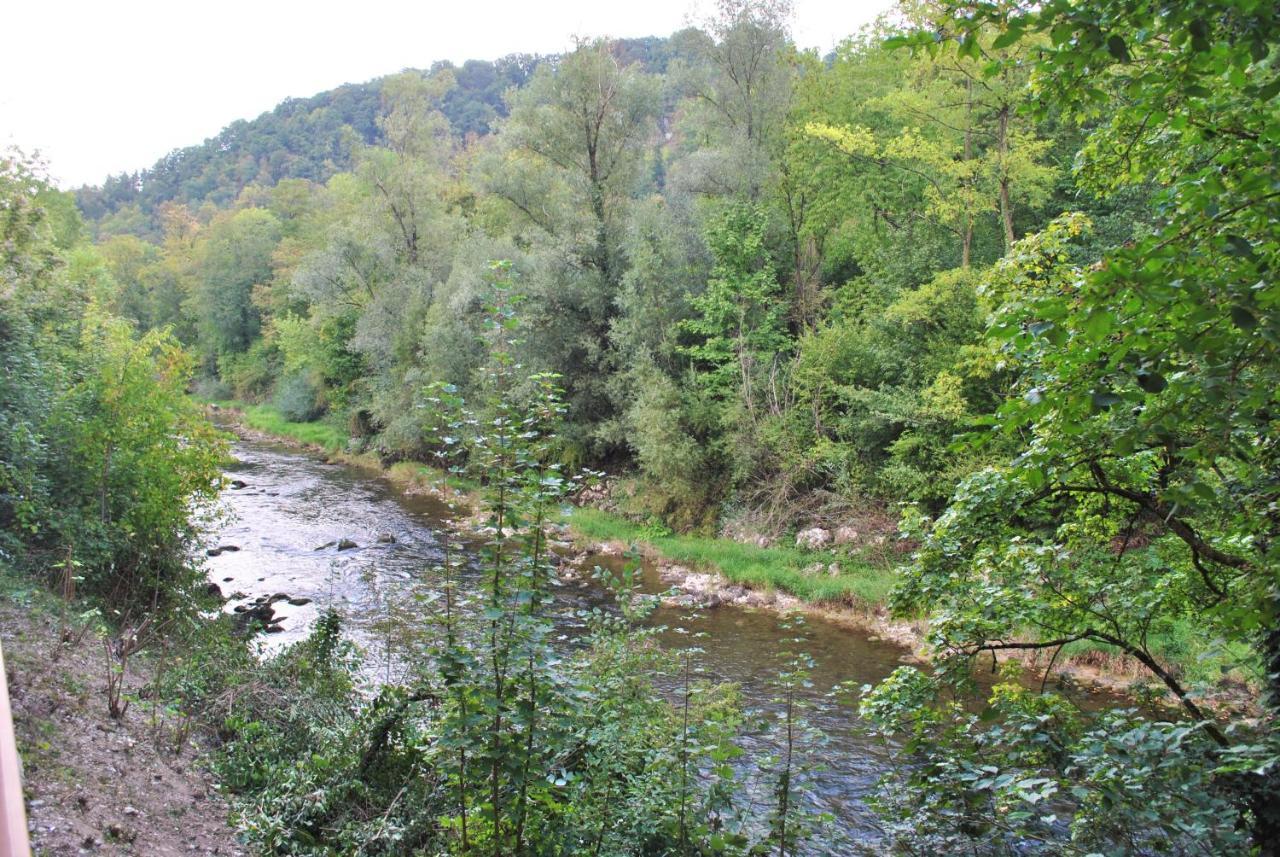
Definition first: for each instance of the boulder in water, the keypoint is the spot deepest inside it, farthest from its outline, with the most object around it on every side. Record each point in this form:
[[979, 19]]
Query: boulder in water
[[346, 544], [386, 539]]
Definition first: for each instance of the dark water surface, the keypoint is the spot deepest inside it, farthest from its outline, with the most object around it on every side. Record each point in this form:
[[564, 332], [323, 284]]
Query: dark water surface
[[293, 504]]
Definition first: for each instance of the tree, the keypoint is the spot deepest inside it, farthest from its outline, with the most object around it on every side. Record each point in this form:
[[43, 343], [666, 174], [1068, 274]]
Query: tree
[[563, 170], [231, 256], [739, 322], [956, 134], [581, 125], [1146, 492]]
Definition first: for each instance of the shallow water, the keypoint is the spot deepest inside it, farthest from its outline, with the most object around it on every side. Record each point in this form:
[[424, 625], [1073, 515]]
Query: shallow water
[[293, 504]]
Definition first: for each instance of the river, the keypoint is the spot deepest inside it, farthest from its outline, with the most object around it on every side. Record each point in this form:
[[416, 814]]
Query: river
[[293, 507]]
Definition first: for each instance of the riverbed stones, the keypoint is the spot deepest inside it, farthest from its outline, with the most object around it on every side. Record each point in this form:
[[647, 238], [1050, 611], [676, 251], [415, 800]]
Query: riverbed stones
[[250, 617], [299, 601], [237, 484], [221, 549], [607, 549], [814, 538], [386, 539], [346, 544]]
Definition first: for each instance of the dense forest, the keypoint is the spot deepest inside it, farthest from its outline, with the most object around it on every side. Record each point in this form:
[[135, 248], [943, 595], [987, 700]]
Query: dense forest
[[996, 281]]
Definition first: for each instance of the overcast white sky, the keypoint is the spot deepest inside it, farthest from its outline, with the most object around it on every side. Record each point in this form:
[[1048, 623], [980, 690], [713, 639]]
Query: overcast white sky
[[101, 87]]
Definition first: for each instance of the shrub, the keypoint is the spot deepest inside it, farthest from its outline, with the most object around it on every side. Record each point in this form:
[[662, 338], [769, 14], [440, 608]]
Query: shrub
[[298, 398], [211, 389]]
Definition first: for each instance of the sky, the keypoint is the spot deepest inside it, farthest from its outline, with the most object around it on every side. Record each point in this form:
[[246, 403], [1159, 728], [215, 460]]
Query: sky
[[100, 87]]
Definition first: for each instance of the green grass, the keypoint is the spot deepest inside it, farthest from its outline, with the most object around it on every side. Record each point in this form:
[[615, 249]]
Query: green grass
[[268, 420], [858, 584]]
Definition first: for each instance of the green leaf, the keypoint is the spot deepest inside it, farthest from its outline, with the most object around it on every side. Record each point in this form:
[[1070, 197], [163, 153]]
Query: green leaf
[[1239, 246], [1104, 399], [1118, 49], [1243, 319], [1009, 37], [1152, 382], [1199, 35]]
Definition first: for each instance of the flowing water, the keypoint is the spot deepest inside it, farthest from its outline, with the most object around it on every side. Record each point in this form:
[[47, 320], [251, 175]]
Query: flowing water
[[293, 508]]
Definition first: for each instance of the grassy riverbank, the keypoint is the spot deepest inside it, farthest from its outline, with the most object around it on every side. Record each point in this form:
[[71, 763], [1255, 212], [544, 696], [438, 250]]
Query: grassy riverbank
[[803, 574], [857, 583], [268, 420], [857, 593]]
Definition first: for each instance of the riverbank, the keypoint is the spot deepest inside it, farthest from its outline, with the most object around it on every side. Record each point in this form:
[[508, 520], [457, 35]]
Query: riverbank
[[834, 584], [95, 784], [843, 588]]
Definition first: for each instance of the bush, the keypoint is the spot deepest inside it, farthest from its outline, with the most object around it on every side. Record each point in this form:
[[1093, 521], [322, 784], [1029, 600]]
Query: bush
[[298, 398], [251, 373], [211, 389]]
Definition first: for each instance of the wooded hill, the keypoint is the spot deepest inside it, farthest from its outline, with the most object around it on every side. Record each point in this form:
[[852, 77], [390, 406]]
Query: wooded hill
[[313, 138]]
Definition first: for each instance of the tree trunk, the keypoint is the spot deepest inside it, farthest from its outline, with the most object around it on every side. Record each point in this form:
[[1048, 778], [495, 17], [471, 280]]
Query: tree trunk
[[1006, 207], [966, 237]]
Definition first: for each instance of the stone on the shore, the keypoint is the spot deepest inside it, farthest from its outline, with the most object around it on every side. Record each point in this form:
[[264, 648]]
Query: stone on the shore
[[846, 536], [814, 538]]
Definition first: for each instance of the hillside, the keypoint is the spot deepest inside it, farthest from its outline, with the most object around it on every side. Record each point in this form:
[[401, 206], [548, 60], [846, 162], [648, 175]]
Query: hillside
[[312, 138]]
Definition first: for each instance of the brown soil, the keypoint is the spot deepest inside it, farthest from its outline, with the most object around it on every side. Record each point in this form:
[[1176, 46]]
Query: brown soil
[[95, 785]]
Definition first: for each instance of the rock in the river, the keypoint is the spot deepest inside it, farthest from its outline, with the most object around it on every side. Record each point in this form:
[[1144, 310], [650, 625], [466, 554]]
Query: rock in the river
[[814, 538], [606, 549], [386, 539], [299, 601], [221, 549], [237, 484], [275, 628], [251, 618], [214, 590], [227, 579], [326, 545], [346, 544]]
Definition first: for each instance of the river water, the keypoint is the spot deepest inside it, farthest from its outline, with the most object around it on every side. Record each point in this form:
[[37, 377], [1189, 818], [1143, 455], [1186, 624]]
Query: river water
[[293, 507]]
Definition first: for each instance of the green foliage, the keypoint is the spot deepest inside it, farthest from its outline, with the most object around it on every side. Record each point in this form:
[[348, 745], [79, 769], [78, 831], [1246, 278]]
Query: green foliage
[[502, 741], [104, 459], [1142, 491], [297, 397], [1029, 774]]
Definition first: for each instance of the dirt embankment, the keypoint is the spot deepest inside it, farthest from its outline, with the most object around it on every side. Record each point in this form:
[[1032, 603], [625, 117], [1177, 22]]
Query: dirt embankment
[[96, 785]]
